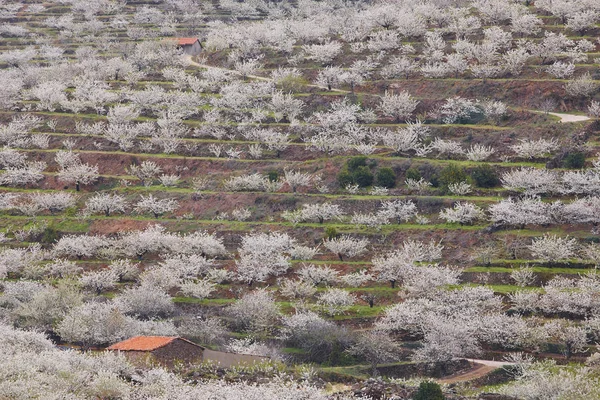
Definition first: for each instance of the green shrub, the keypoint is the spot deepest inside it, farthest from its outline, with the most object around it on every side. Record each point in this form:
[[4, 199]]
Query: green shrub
[[273, 175], [70, 212], [363, 176], [574, 160], [339, 356], [429, 390], [413, 173], [330, 232], [386, 178], [292, 83], [50, 235], [485, 176], [345, 178], [355, 162], [451, 174], [430, 173]]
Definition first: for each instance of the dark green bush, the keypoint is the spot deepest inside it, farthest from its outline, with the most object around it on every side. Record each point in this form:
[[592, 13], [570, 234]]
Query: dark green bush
[[430, 173], [413, 173], [355, 162], [50, 235], [451, 174], [429, 390], [345, 178], [273, 175], [574, 160], [363, 176], [330, 232], [485, 176], [386, 178]]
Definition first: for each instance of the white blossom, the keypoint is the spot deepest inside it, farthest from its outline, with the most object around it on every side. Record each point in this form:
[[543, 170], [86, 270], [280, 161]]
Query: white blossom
[[156, 206], [146, 171], [335, 301], [317, 274], [460, 188], [256, 311], [552, 248], [582, 86], [105, 203], [531, 180], [398, 106], [463, 213], [346, 246]]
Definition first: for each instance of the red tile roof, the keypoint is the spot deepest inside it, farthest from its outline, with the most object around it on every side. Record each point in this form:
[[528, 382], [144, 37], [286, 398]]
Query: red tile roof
[[145, 343], [185, 41]]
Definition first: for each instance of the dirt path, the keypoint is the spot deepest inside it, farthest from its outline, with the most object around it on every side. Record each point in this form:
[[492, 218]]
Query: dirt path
[[194, 63], [565, 117], [477, 371], [490, 363], [570, 117], [480, 368]]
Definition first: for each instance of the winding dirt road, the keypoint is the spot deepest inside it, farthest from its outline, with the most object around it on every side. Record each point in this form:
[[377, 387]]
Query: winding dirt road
[[570, 117], [564, 117], [480, 368]]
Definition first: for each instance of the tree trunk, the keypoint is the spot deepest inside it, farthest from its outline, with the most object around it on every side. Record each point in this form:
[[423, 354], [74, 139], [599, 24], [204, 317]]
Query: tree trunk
[[393, 284], [77, 187], [340, 256]]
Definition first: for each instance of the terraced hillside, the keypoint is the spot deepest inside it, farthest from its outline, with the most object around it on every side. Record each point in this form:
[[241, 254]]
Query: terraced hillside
[[340, 183]]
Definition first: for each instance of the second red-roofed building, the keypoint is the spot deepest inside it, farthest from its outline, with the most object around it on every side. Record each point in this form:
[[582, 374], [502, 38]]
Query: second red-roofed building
[[169, 350], [162, 349], [190, 46]]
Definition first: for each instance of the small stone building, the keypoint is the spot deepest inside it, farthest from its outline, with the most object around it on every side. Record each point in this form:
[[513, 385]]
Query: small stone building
[[165, 350], [169, 350], [190, 46]]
